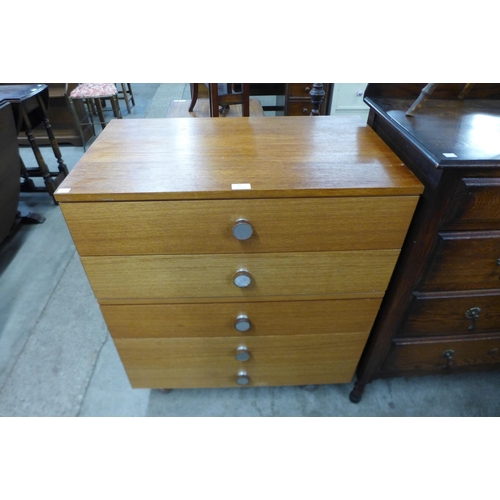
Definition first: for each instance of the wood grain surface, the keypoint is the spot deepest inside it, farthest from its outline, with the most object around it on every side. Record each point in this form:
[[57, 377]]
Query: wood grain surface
[[187, 276], [175, 158], [210, 362], [217, 319], [201, 226]]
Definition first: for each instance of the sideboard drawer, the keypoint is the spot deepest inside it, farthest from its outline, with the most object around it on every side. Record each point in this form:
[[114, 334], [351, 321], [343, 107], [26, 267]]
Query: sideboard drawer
[[198, 276], [430, 315], [438, 356], [465, 261], [205, 226], [211, 362], [240, 319]]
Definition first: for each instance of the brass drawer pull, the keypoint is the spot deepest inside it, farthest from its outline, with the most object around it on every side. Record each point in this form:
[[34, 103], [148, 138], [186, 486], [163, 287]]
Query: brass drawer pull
[[242, 353], [242, 378], [472, 314], [242, 323], [242, 278], [242, 229]]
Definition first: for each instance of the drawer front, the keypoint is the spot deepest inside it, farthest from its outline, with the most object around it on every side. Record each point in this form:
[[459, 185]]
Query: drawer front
[[476, 204], [300, 90], [187, 227], [465, 261], [300, 108], [241, 319], [211, 362], [429, 315], [199, 276], [441, 356]]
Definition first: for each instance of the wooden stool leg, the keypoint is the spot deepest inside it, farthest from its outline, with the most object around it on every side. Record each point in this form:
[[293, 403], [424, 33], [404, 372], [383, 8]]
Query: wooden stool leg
[[129, 87], [98, 105], [116, 106], [213, 95], [125, 96]]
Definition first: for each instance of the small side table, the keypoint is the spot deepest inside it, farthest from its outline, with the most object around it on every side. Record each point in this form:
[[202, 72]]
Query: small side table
[[29, 105]]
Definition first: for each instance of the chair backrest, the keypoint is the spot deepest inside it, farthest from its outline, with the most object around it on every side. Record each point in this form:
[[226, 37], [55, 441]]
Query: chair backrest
[[224, 95], [10, 170]]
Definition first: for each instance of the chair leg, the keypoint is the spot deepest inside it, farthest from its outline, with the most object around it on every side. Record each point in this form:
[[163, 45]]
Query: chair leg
[[213, 95], [71, 106], [194, 95], [245, 90]]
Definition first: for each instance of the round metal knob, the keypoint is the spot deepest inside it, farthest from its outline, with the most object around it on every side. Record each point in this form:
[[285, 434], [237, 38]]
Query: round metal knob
[[242, 378], [242, 323], [242, 353], [242, 278], [242, 229], [359, 92], [307, 89], [305, 111]]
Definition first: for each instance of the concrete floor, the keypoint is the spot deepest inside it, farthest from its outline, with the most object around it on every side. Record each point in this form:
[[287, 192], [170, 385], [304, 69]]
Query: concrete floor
[[57, 358]]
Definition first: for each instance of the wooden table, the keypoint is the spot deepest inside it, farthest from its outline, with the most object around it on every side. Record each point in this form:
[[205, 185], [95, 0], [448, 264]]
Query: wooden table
[[242, 251]]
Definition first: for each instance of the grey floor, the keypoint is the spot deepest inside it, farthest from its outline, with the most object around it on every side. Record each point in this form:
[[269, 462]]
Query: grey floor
[[57, 358]]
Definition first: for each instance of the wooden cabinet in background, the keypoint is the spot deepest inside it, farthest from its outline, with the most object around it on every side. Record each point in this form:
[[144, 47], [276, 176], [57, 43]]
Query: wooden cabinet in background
[[441, 312]]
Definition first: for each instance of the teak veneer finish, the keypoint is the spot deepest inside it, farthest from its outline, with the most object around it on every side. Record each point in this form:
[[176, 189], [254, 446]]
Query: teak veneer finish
[[151, 207], [440, 313]]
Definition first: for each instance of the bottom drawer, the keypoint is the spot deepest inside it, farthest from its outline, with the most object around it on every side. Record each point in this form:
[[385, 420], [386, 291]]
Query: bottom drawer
[[211, 362], [442, 355]]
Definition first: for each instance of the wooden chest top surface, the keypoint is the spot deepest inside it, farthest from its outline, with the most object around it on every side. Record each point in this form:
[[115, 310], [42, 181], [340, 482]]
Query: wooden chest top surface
[[207, 158]]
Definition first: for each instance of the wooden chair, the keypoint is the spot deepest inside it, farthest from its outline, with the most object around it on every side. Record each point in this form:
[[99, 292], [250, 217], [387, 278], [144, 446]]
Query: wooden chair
[[223, 95], [92, 95]]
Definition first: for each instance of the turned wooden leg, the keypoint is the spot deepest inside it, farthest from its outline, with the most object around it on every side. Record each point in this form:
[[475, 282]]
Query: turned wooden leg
[[357, 392]]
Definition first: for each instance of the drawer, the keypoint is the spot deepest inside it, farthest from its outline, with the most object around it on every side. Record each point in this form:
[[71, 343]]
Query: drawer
[[241, 319], [301, 90], [300, 108], [186, 227], [465, 261], [452, 315], [211, 362], [475, 204], [442, 356], [199, 276]]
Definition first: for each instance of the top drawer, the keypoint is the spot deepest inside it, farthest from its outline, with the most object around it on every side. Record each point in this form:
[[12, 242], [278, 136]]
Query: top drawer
[[476, 204], [300, 90], [206, 226]]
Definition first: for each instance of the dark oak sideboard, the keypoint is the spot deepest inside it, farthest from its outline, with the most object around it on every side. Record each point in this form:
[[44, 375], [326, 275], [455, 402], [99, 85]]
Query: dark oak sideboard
[[441, 312]]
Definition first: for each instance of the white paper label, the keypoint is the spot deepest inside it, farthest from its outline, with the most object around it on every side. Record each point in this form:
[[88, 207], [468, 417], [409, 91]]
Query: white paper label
[[450, 155], [241, 186], [63, 190]]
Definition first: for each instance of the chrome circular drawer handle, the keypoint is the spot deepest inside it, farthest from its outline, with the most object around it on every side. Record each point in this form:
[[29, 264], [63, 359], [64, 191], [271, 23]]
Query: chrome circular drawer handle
[[242, 353], [242, 378], [242, 278], [242, 229], [242, 323]]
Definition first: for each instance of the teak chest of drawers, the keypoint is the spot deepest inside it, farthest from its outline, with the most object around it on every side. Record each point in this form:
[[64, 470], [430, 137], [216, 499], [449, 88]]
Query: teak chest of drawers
[[251, 251], [441, 313]]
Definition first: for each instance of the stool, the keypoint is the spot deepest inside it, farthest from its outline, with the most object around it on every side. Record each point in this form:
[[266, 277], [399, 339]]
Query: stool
[[92, 95], [29, 105]]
